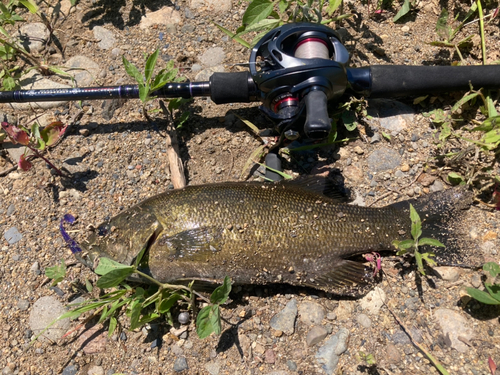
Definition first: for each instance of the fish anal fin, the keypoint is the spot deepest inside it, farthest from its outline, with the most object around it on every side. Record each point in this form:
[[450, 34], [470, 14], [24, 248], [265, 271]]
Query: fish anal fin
[[343, 276]]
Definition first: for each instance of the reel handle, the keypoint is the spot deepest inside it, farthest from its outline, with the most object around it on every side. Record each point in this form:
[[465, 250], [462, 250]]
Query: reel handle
[[318, 124]]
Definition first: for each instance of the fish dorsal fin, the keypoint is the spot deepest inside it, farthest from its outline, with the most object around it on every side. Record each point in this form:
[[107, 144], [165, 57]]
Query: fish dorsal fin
[[320, 185], [344, 276]]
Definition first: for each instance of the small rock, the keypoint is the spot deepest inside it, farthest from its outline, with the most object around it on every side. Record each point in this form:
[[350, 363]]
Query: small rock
[[35, 267], [110, 106], [353, 173], [328, 354], [315, 335], [405, 29], [364, 320], [70, 370], [344, 310], [165, 16], [116, 52], [399, 174], [476, 280], [331, 315], [85, 70], [180, 364], [376, 138], [93, 340], [392, 354], [436, 186], [213, 367], [454, 326], [358, 150], [12, 235], [85, 132], [405, 168], [96, 370], [212, 57], [426, 179], [205, 74], [292, 366], [269, 356], [11, 209], [383, 160], [106, 37], [285, 319], [392, 115], [183, 317], [33, 36], [447, 273], [488, 248], [23, 305], [373, 301], [311, 313]]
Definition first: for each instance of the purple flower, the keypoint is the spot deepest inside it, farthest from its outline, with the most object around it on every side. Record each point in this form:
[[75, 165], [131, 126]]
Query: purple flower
[[72, 244]]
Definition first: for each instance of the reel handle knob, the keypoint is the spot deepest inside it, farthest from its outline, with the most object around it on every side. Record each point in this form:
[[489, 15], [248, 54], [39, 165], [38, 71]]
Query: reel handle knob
[[318, 124]]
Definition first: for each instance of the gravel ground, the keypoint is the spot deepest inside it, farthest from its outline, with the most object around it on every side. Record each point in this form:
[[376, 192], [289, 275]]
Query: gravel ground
[[117, 159]]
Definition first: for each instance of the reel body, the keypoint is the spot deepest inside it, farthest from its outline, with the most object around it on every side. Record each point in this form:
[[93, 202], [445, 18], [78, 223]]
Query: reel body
[[298, 68]]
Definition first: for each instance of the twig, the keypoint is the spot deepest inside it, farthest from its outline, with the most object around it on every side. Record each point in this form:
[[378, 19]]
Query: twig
[[392, 191], [175, 162], [8, 170]]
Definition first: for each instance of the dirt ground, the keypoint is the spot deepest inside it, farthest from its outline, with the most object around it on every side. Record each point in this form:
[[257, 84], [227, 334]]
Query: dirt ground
[[118, 162]]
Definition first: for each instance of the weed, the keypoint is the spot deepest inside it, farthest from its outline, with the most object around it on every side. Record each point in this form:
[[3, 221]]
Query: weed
[[35, 139], [148, 84], [261, 16], [492, 294], [405, 9], [416, 241]]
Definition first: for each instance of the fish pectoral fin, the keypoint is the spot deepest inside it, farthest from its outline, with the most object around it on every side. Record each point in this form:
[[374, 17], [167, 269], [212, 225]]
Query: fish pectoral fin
[[345, 273], [191, 242]]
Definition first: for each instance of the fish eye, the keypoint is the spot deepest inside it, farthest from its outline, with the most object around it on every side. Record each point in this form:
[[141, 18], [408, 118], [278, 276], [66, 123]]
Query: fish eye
[[102, 230]]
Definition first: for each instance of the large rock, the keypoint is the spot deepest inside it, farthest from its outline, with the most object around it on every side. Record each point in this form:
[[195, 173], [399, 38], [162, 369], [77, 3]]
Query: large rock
[[454, 326], [328, 354], [33, 36], [84, 70], [391, 115], [285, 320], [164, 16], [106, 37], [44, 311]]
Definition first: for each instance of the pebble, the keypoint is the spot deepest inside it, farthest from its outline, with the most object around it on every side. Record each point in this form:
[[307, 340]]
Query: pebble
[[315, 335], [447, 273], [183, 317], [23, 305], [180, 364], [220, 6], [11, 209], [392, 115], [96, 370], [285, 319], [311, 313], [213, 367], [373, 301], [13, 236], [212, 57], [70, 370], [399, 174], [116, 52], [292, 366], [383, 160], [454, 326], [33, 36], [43, 312], [106, 37], [392, 354], [364, 320], [376, 138], [437, 186], [328, 355], [85, 132], [86, 69], [358, 150], [405, 29], [8, 370], [331, 315], [476, 280], [110, 106], [164, 16], [405, 168], [269, 356], [344, 310]]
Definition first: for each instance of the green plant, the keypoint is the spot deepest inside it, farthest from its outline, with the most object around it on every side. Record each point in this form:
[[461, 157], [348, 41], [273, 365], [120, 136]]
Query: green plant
[[405, 9], [261, 16], [148, 83], [448, 33], [35, 139], [416, 241], [141, 305], [492, 294]]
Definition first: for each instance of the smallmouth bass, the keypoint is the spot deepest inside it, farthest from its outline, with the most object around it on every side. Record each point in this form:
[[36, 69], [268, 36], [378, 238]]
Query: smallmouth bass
[[261, 233]]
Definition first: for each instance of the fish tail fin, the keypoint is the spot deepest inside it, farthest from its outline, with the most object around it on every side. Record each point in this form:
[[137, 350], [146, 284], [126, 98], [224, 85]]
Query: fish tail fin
[[442, 215]]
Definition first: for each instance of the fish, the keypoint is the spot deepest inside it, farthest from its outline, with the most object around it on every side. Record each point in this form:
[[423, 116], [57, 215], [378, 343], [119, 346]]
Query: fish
[[265, 233]]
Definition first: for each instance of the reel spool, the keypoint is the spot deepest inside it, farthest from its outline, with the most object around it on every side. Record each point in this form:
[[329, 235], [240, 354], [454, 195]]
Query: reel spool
[[298, 68]]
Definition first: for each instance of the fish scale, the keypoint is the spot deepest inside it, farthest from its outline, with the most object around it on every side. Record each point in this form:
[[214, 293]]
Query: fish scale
[[256, 233]]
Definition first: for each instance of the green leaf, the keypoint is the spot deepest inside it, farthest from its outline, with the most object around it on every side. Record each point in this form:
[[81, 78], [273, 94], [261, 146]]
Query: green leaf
[[52, 132], [349, 119], [113, 278], [494, 291], [386, 136], [135, 314], [283, 6], [139, 256], [333, 5], [221, 293], [492, 268], [416, 224], [168, 303], [233, 36], [403, 11], [442, 28], [257, 10], [215, 319], [181, 120], [143, 92], [150, 65], [204, 326], [265, 24], [488, 124], [107, 265], [132, 71], [492, 136], [32, 7], [56, 273], [88, 286], [492, 112], [428, 259], [454, 178], [482, 297], [420, 99], [405, 244], [112, 326], [464, 100]]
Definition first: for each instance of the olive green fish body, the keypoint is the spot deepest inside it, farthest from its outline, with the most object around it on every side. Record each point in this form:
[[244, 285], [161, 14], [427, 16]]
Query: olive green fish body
[[253, 232]]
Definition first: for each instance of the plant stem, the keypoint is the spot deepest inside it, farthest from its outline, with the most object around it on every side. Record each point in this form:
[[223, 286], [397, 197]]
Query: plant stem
[[39, 155], [481, 26]]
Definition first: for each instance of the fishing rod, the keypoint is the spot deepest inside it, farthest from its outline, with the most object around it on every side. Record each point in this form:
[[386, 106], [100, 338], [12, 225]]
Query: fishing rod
[[295, 70]]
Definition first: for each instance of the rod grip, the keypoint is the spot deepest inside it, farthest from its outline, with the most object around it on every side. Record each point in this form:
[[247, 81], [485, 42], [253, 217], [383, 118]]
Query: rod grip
[[407, 80], [232, 88], [318, 124]]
